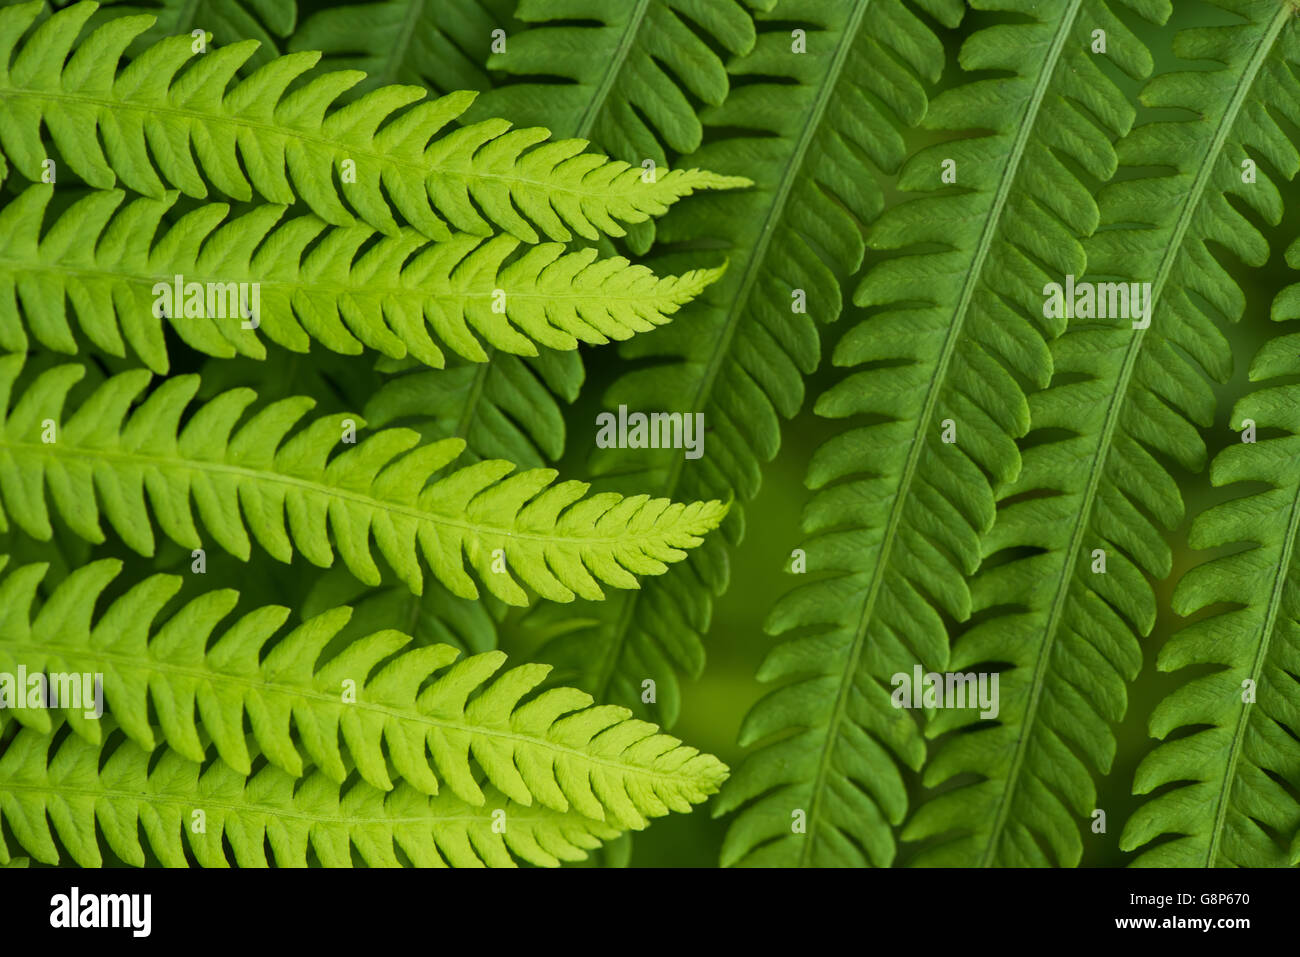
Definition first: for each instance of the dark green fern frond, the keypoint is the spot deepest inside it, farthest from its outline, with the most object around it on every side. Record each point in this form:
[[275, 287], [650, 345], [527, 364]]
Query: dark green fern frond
[[191, 129], [77, 791], [941, 364], [811, 128], [435, 616], [633, 70], [269, 22], [420, 709], [440, 44], [249, 476], [1228, 771], [1065, 594], [315, 283]]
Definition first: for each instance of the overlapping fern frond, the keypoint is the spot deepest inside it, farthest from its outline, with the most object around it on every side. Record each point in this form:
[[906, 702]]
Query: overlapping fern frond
[[172, 118], [118, 791], [419, 709], [633, 70], [440, 44], [811, 128], [626, 66], [1065, 594], [331, 285], [250, 476], [1228, 771], [504, 408], [269, 22], [941, 364]]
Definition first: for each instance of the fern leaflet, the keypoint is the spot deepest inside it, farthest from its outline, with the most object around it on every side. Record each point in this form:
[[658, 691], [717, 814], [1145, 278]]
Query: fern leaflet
[[1095, 484], [44, 781], [314, 284], [253, 138], [1230, 782], [419, 708], [251, 477]]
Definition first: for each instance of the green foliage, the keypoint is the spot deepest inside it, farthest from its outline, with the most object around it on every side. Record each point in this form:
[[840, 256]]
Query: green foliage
[[1233, 772], [252, 475], [440, 44], [76, 786], [805, 129], [1123, 408], [315, 285], [633, 70], [955, 333], [254, 138], [419, 709], [439, 203]]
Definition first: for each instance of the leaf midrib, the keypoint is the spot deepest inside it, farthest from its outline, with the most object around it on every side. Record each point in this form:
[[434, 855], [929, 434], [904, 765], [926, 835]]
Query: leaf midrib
[[1172, 250], [596, 102], [328, 491], [775, 210], [61, 790], [327, 701], [367, 289], [889, 536], [423, 168], [1261, 654]]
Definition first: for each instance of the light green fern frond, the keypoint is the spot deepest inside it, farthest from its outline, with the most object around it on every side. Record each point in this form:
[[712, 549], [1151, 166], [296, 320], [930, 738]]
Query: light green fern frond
[[120, 791], [941, 365], [420, 709], [250, 477], [1065, 593], [811, 129], [504, 408], [440, 44], [192, 129], [1228, 771], [332, 285]]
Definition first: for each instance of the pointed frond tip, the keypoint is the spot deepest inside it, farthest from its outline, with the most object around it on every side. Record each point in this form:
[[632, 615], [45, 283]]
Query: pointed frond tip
[[172, 117], [251, 476], [45, 781], [439, 721], [305, 281]]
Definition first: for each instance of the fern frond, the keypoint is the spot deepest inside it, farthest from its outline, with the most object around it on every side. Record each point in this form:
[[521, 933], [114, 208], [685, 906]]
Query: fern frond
[[435, 616], [269, 22], [896, 516], [1228, 784], [632, 69], [1096, 483], [315, 283], [420, 709], [192, 129], [249, 477], [442, 45], [811, 128], [116, 792], [504, 408]]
